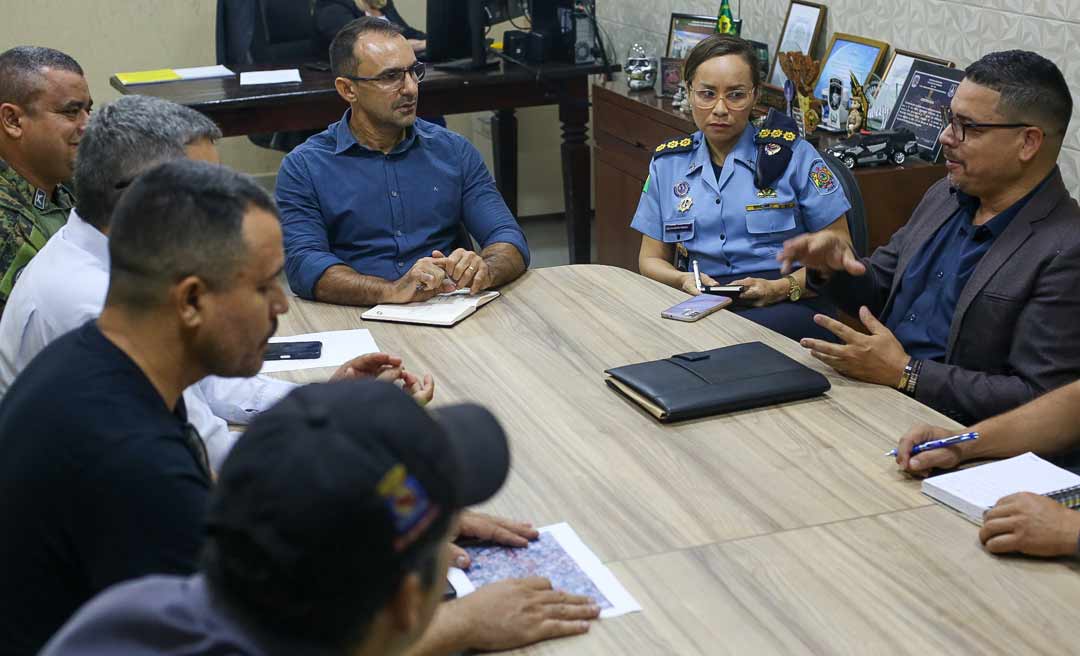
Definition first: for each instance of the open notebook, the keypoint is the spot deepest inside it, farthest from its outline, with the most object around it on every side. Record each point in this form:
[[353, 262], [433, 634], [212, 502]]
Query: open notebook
[[974, 491], [442, 310]]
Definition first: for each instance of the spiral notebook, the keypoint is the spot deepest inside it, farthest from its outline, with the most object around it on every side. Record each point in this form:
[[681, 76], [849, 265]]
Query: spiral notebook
[[975, 490]]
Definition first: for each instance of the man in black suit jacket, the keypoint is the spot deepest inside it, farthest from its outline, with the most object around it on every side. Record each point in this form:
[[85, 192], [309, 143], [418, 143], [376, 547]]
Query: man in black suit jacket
[[979, 294]]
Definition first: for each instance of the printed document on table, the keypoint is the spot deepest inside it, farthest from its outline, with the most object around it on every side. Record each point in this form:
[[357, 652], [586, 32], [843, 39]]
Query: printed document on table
[[558, 555], [338, 347], [280, 76], [204, 72]]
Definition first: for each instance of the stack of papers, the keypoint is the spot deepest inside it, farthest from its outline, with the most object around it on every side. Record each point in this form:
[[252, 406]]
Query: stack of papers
[[974, 491], [442, 310], [281, 76], [170, 74]]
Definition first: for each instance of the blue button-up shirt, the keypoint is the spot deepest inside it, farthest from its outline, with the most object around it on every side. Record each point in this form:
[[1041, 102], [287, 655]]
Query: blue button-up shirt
[[725, 227], [344, 203], [922, 311]]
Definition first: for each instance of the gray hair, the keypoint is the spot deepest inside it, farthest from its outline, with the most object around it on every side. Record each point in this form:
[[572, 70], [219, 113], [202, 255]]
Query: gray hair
[[125, 138], [22, 71]]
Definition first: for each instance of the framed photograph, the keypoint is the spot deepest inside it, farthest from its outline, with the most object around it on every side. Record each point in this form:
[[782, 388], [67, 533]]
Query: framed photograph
[[802, 28], [927, 89], [762, 52], [892, 82], [670, 76], [849, 54], [686, 31]]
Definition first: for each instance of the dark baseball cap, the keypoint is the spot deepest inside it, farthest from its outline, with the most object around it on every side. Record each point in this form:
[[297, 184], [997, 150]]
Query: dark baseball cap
[[339, 484]]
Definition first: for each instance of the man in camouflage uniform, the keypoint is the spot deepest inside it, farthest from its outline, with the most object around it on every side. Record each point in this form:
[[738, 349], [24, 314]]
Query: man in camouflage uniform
[[44, 106]]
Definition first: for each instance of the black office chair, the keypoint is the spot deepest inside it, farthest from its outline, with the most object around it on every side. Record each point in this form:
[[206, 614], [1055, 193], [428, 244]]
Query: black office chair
[[856, 216], [276, 32]]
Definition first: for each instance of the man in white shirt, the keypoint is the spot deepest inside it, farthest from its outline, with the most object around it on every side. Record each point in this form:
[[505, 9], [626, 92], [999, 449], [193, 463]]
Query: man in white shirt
[[64, 286]]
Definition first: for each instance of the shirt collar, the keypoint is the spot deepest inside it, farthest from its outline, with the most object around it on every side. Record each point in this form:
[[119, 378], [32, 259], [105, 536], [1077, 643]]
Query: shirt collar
[[28, 194], [344, 138], [85, 236], [745, 150], [1002, 219]]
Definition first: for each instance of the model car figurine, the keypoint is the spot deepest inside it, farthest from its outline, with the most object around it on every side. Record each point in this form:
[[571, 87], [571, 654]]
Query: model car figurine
[[875, 147]]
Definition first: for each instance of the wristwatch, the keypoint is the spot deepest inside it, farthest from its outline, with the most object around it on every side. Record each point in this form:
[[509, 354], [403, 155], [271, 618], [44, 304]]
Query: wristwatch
[[794, 289]]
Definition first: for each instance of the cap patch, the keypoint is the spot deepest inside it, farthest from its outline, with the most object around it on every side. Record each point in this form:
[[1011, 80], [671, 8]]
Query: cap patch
[[408, 503], [822, 177]]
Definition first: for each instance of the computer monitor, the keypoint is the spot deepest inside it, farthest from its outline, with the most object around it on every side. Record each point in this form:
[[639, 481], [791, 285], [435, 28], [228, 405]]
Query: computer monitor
[[456, 30]]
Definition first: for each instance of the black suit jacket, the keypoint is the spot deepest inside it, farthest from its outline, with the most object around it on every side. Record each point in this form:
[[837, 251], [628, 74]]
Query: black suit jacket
[[1016, 330]]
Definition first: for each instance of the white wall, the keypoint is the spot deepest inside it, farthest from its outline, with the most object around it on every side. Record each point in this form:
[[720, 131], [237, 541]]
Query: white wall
[[109, 36], [958, 30]]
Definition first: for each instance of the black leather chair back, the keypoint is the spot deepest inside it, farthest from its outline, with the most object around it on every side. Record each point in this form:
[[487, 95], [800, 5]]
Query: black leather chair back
[[856, 216]]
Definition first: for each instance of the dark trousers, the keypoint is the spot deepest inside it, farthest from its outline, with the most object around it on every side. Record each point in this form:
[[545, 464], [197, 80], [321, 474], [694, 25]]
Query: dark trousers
[[794, 320]]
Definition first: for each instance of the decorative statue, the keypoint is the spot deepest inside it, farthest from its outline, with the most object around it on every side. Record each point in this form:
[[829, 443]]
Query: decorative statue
[[803, 71], [641, 68], [860, 107]]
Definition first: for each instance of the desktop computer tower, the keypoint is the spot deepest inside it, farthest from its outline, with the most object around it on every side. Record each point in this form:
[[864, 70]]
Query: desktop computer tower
[[554, 19]]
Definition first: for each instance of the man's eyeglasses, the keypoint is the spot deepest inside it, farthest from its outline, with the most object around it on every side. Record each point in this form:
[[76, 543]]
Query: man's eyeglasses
[[960, 128], [393, 78], [734, 100]]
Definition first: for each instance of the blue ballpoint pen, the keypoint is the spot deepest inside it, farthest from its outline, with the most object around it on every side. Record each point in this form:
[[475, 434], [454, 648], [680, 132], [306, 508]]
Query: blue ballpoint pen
[[937, 444]]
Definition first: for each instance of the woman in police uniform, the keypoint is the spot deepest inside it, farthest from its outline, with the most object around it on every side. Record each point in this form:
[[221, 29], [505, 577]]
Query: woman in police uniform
[[730, 194]]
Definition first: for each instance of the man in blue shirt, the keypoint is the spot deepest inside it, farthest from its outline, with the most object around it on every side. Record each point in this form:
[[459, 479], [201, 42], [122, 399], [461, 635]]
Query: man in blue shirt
[[379, 207], [977, 294]]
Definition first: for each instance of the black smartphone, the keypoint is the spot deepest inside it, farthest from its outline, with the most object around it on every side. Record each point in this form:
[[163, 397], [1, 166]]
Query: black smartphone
[[318, 66], [293, 351]]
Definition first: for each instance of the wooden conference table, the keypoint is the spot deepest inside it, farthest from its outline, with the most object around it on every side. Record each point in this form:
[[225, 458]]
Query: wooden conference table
[[774, 531], [313, 103]]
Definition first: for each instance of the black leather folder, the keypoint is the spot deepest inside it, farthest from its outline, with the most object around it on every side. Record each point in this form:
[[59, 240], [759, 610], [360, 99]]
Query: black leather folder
[[713, 382]]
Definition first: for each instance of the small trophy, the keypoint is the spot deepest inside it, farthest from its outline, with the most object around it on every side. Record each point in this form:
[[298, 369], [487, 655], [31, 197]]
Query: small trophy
[[860, 107], [802, 70]]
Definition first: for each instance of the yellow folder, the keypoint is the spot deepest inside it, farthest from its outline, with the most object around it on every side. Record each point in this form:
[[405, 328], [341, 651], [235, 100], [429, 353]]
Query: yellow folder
[[148, 77]]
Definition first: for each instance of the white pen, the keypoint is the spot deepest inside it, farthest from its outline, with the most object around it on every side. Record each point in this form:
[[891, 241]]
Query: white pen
[[697, 276]]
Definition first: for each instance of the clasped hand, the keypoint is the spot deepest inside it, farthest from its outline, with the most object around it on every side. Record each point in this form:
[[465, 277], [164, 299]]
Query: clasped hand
[[388, 368], [440, 274]]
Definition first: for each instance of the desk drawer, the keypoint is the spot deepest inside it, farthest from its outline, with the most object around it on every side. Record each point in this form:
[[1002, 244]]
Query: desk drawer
[[636, 130]]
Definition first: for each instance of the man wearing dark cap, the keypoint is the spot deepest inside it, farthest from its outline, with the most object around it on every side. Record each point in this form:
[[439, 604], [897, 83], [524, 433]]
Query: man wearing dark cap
[[327, 534]]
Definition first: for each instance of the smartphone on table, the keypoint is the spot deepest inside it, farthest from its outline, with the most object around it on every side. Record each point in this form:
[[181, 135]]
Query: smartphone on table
[[696, 307], [292, 351]]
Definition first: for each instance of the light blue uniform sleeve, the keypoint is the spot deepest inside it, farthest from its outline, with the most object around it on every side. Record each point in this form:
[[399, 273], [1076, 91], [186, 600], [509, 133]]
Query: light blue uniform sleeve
[[821, 198], [647, 219]]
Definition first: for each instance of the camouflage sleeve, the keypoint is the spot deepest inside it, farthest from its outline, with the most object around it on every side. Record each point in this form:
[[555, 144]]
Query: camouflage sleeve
[[16, 248]]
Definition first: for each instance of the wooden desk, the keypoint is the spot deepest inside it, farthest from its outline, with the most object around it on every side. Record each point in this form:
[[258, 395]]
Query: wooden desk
[[778, 530], [313, 104], [629, 125]]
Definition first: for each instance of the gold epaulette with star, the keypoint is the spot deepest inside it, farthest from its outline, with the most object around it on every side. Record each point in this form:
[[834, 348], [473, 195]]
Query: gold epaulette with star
[[682, 145]]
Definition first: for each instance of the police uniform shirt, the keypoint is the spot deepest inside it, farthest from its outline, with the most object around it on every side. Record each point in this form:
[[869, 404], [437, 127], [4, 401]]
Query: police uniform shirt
[[728, 225]]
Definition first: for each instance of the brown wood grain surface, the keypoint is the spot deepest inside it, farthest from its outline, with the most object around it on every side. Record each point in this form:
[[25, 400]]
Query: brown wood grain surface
[[777, 530]]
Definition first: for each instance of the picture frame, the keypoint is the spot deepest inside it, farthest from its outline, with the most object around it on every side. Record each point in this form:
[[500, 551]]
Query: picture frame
[[801, 31], [670, 76], [762, 52], [928, 88], [892, 80], [848, 54], [685, 31]]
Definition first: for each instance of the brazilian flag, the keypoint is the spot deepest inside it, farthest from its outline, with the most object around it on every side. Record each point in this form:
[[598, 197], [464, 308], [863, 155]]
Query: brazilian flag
[[724, 22]]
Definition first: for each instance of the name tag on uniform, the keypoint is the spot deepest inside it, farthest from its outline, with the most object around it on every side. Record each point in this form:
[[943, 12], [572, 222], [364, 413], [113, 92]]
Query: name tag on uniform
[[771, 206], [678, 227]]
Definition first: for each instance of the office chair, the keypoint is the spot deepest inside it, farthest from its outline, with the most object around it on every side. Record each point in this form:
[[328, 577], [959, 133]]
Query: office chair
[[856, 216], [277, 32]]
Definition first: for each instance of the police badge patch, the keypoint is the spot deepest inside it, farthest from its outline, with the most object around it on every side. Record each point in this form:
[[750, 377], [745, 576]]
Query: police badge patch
[[772, 149], [682, 189], [822, 177]]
